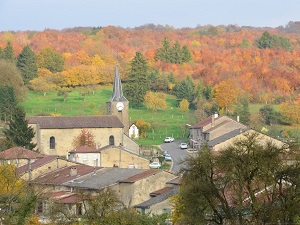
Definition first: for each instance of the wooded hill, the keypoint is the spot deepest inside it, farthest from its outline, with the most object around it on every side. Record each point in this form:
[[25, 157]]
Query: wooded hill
[[263, 62]]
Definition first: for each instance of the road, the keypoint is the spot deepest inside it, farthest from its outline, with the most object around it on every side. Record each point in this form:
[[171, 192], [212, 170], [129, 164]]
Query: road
[[177, 154]]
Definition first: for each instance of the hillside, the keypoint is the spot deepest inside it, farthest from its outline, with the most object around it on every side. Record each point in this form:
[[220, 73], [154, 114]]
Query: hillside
[[218, 54]]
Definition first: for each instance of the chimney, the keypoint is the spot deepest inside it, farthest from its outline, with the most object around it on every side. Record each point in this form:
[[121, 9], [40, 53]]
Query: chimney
[[216, 115], [73, 171], [238, 118]]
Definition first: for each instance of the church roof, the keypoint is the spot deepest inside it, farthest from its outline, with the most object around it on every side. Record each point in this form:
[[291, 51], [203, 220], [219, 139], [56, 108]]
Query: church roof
[[66, 122], [117, 95]]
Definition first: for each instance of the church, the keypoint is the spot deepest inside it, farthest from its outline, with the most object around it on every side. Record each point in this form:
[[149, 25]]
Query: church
[[55, 135]]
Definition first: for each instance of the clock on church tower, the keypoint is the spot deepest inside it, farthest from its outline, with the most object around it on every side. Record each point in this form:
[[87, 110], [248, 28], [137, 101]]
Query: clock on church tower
[[118, 105]]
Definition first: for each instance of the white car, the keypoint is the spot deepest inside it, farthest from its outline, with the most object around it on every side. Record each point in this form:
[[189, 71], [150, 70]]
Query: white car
[[169, 139], [155, 165], [168, 157], [183, 145]]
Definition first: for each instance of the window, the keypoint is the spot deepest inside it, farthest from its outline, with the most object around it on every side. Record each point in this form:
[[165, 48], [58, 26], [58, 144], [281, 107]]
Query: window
[[52, 142], [40, 207], [111, 140]]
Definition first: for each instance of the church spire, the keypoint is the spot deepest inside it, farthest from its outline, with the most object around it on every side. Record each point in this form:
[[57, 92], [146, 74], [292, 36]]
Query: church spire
[[117, 95]]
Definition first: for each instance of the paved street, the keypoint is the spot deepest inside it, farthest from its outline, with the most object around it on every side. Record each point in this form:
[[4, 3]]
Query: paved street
[[177, 154]]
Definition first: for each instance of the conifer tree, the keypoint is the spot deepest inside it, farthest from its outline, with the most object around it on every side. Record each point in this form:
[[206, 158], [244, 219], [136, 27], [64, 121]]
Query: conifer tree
[[26, 63], [9, 52], [18, 133], [137, 85]]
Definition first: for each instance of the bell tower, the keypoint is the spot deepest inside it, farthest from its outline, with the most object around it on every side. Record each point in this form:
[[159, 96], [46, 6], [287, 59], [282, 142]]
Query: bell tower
[[118, 105]]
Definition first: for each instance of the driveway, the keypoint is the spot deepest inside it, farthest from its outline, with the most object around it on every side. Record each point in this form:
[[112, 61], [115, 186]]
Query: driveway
[[177, 154]]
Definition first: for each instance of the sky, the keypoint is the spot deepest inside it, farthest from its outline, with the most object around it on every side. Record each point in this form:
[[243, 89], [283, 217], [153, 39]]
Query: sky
[[38, 15]]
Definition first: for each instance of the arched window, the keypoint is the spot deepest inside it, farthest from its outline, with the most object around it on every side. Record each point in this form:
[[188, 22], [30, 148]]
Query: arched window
[[52, 142], [111, 140]]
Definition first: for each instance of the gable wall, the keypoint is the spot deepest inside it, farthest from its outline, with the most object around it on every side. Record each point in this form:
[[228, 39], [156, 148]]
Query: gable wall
[[121, 158], [135, 193]]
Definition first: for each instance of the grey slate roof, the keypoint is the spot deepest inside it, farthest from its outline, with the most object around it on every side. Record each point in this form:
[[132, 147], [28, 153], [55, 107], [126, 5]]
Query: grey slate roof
[[226, 137], [117, 95], [65, 122], [157, 199], [103, 178]]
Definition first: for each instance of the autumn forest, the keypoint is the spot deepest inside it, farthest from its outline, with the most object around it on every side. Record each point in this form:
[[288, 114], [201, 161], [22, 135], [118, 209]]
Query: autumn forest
[[262, 64]]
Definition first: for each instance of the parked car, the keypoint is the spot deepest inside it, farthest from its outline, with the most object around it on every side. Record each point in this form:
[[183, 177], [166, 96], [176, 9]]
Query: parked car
[[169, 139], [155, 165], [165, 153], [183, 145], [168, 157]]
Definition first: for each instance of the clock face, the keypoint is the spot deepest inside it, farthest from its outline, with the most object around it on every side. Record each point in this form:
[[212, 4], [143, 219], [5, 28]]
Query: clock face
[[120, 106]]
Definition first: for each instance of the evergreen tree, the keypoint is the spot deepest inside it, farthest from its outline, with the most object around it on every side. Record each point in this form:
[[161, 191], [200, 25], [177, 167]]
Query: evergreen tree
[[9, 52], [18, 133], [137, 85], [185, 89], [1, 53], [176, 54], [186, 55], [273, 41], [164, 53], [8, 101], [242, 110], [26, 63]]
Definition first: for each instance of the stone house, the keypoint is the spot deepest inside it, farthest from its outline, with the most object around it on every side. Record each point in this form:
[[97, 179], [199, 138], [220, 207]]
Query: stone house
[[159, 203], [19, 156], [108, 156], [211, 128]]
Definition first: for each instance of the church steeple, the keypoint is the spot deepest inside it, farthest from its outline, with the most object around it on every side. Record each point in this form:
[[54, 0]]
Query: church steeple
[[117, 95], [118, 105]]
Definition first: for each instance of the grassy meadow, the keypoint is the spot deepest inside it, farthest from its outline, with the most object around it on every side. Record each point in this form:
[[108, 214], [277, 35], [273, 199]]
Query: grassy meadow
[[169, 122]]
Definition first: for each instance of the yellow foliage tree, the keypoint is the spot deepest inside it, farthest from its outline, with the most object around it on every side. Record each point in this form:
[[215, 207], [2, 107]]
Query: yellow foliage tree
[[290, 111], [17, 199], [143, 127], [226, 93], [155, 101], [184, 105]]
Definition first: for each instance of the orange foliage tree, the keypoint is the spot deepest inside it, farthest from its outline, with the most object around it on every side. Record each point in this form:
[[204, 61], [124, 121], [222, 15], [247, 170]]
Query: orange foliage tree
[[226, 93]]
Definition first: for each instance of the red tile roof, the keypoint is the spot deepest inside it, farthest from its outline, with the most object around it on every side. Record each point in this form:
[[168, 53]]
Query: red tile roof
[[66, 122], [140, 176], [161, 191], [19, 153], [205, 122], [65, 197], [63, 175], [42, 161], [175, 181], [85, 149]]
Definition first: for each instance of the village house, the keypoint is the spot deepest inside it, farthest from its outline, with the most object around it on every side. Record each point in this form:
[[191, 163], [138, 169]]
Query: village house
[[19, 156], [212, 127], [108, 156]]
